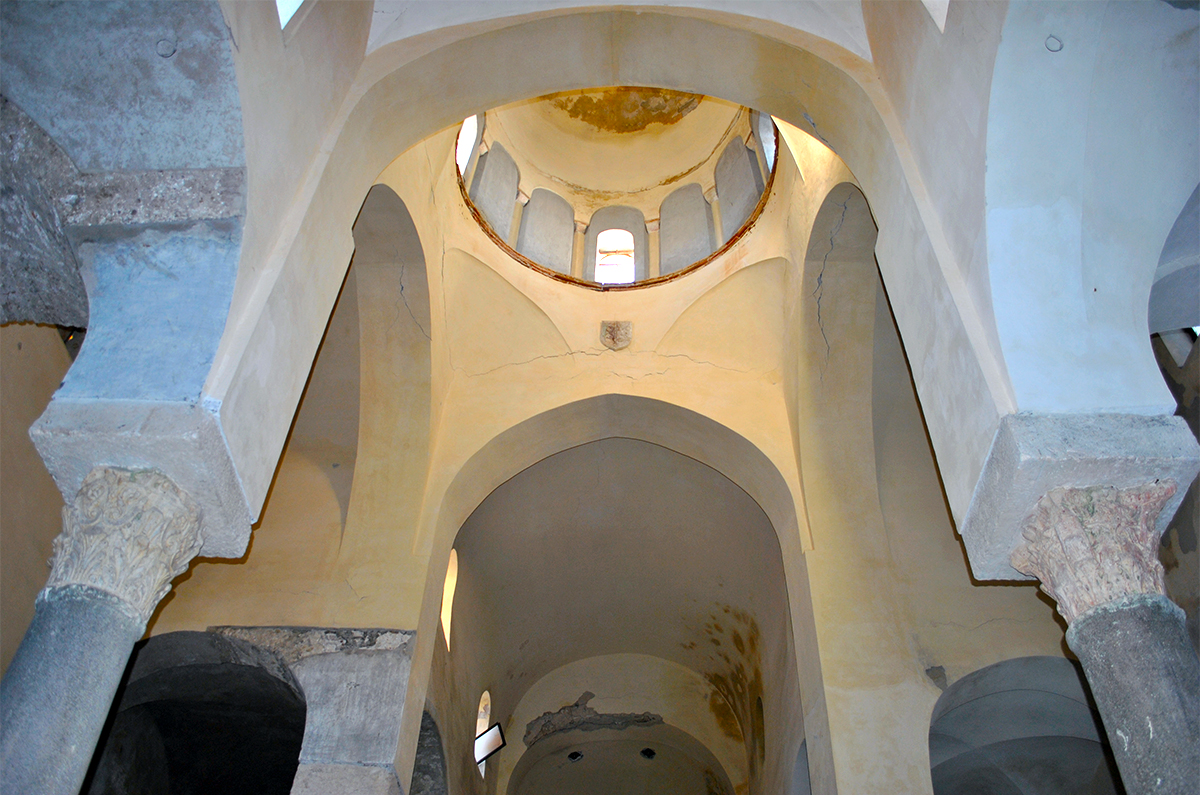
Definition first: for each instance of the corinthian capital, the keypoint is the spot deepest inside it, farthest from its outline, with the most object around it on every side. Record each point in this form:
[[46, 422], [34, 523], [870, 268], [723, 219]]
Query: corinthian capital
[[1092, 546], [127, 533]]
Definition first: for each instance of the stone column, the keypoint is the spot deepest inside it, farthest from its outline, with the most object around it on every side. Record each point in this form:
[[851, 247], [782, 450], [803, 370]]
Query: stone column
[[710, 196], [1095, 551], [577, 252], [652, 243], [125, 537]]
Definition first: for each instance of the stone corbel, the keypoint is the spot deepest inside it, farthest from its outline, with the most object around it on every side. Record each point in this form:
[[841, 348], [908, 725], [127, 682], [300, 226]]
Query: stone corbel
[[1033, 455]]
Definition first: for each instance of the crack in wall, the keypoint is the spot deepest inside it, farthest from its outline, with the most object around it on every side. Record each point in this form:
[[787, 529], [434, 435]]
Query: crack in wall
[[819, 292], [404, 298], [813, 123], [599, 353]]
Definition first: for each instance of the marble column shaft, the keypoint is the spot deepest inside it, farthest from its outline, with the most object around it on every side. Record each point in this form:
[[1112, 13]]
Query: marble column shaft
[[125, 537], [1095, 551]]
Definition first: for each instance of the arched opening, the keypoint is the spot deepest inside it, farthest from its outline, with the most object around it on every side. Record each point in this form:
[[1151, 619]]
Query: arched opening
[[1020, 726], [621, 552], [615, 252], [429, 768], [200, 712]]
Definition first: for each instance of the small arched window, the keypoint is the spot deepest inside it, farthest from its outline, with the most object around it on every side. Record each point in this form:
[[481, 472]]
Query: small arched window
[[448, 595], [615, 257]]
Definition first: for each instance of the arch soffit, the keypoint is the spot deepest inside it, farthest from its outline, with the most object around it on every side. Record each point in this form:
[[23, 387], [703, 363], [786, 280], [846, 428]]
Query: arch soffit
[[606, 416], [839, 28]]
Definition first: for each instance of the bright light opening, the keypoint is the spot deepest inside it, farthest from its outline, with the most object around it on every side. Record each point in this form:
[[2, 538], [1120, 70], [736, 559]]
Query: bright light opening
[[466, 142], [448, 595], [614, 257], [482, 721], [287, 9]]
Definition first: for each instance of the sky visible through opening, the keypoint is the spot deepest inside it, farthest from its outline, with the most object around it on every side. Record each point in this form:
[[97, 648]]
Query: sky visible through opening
[[614, 257], [287, 9]]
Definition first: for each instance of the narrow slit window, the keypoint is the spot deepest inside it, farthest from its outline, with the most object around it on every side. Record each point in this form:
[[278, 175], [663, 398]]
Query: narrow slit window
[[482, 722], [466, 143], [448, 594], [614, 257]]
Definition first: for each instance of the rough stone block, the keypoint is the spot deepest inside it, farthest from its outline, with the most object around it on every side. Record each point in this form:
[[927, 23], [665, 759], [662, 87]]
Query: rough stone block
[[1034, 453]]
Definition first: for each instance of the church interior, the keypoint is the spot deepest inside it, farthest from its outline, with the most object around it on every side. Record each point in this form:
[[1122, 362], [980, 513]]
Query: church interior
[[544, 397]]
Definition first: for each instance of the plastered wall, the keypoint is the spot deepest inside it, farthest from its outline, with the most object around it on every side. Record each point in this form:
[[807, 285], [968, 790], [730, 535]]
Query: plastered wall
[[739, 342], [33, 361]]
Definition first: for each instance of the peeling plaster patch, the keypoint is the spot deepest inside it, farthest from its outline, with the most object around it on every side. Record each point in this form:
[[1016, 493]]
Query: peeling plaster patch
[[296, 643], [582, 717], [626, 109]]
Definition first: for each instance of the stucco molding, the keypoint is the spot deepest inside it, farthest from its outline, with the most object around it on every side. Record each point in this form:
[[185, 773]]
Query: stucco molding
[[1093, 546], [127, 533]]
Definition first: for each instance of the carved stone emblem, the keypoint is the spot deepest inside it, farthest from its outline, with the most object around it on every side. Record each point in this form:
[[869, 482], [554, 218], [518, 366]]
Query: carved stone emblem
[[616, 334], [128, 534], [1092, 546]]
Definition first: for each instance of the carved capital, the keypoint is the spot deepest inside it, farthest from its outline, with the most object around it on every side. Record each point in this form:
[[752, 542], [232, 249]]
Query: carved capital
[[1092, 546], [128, 534]]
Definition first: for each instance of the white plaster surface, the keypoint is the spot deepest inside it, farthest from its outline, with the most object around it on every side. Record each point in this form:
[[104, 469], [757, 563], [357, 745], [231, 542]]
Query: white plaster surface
[[1092, 151]]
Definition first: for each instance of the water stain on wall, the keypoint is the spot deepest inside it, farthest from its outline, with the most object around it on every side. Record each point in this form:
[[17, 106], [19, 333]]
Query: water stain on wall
[[626, 109]]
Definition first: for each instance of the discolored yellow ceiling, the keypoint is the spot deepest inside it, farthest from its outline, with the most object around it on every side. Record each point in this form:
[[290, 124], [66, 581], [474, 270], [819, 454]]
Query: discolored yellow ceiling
[[614, 145]]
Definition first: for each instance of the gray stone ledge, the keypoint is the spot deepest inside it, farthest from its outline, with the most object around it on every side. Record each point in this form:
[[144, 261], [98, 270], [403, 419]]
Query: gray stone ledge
[[1033, 453]]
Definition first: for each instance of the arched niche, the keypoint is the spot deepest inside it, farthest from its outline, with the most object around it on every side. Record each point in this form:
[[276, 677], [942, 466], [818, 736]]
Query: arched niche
[[547, 234], [200, 712], [842, 239], [686, 232], [1022, 725], [494, 189], [641, 535], [629, 684], [739, 186], [631, 220]]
